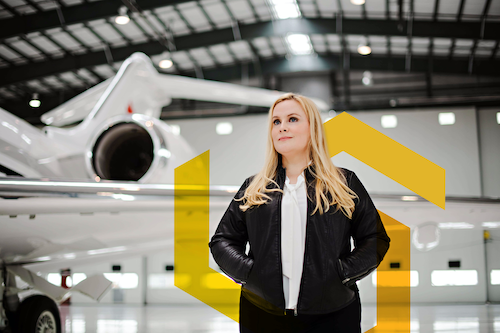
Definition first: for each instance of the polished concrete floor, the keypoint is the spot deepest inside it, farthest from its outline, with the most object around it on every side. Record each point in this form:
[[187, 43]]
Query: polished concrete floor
[[450, 318]]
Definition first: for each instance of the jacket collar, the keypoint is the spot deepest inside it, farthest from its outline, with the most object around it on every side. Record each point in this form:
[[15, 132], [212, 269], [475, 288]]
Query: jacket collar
[[281, 173]]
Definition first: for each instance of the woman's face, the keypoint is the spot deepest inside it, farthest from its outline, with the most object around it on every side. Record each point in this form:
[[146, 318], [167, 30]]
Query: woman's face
[[290, 129]]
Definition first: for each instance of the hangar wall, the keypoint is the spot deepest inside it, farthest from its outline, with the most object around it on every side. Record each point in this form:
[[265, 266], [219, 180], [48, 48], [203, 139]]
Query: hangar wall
[[454, 147]]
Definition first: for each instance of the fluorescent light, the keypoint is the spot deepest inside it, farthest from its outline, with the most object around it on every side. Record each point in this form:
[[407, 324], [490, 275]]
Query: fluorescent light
[[495, 276], [35, 102], [358, 2], [165, 63], [122, 19], [389, 121], [364, 49], [490, 224], [284, 9], [442, 278], [455, 225], [409, 198], [299, 44], [498, 118], [224, 128], [446, 118]]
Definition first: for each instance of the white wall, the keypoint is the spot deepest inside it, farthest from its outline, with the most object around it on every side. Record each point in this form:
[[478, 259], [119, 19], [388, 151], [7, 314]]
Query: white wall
[[454, 147], [464, 245], [490, 150]]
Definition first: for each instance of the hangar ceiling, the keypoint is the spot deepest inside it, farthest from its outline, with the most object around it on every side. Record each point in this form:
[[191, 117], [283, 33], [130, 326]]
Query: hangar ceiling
[[447, 51]]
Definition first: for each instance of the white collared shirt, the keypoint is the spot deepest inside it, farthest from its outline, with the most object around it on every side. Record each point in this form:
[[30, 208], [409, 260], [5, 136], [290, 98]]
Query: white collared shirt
[[293, 238]]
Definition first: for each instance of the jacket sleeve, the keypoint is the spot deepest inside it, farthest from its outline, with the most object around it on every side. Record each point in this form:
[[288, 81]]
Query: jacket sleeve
[[370, 238], [228, 244]]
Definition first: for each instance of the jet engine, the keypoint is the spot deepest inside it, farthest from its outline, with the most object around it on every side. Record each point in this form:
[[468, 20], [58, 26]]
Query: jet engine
[[136, 148]]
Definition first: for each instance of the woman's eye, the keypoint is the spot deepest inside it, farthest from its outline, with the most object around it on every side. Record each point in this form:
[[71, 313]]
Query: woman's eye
[[293, 119], [276, 122]]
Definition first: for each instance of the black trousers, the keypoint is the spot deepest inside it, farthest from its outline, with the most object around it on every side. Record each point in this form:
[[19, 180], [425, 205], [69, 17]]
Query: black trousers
[[255, 320]]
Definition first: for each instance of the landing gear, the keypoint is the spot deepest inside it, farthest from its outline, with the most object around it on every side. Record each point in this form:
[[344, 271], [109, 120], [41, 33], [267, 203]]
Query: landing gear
[[38, 314]]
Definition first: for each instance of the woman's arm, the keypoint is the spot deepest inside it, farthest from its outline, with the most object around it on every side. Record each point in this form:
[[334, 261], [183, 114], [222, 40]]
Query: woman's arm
[[370, 238], [228, 244]]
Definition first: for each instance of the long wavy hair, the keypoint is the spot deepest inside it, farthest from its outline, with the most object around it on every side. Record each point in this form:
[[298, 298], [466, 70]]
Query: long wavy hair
[[331, 186]]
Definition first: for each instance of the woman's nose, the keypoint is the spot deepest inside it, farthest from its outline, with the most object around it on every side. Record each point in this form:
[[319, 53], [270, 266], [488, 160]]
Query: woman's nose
[[283, 127]]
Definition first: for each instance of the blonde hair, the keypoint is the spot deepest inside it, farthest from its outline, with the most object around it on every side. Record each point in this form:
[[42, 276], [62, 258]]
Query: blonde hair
[[331, 188]]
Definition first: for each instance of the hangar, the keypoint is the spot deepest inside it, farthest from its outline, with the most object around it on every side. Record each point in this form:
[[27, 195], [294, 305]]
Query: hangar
[[101, 101]]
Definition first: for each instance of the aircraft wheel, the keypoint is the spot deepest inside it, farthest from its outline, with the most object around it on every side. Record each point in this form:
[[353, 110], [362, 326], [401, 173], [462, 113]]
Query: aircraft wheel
[[39, 314]]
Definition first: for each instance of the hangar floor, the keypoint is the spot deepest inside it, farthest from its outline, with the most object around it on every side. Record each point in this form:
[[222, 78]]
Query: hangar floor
[[203, 319]]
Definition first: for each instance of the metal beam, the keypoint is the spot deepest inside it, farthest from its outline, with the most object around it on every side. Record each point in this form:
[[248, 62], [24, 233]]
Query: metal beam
[[72, 14], [249, 32]]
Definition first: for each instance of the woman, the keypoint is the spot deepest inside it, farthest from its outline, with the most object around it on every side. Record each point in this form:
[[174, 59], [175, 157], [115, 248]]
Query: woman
[[298, 215]]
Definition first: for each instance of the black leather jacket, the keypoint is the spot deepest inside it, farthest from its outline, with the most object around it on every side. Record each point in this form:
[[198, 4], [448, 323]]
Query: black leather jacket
[[330, 268]]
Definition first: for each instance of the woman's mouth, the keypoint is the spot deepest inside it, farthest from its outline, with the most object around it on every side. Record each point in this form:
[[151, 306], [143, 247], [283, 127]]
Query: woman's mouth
[[284, 138]]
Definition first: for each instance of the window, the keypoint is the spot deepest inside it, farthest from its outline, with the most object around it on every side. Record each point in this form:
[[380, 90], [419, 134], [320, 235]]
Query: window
[[123, 280], [495, 276], [446, 118], [389, 121], [442, 278]]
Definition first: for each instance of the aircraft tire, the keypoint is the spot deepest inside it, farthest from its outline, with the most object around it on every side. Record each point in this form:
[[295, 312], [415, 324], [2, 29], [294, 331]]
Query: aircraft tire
[[39, 314]]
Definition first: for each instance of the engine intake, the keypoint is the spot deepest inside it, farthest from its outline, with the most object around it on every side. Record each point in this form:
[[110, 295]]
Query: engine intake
[[124, 151]]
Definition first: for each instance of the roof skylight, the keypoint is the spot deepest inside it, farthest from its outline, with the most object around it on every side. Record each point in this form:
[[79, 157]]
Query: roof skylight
[[299, 44], [284, 9]]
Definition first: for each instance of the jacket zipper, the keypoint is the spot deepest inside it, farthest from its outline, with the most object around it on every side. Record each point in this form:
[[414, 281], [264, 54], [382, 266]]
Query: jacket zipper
[[357, 275]]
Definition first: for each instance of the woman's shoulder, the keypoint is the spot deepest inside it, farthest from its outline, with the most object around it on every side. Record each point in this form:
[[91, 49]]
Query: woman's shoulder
[[346, 172]]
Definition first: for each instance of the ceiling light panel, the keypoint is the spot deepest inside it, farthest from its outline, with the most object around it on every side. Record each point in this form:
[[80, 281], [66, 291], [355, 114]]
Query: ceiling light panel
[[87, 75], [327, 7], [309, 9], [9, 53], [464, 43], [182, 60], [5, 93], [195, 17], [449, 7], [373, 8], [474, 7], [46, 45], [240, 9], [442, 42], [177, 26], [51, 80], [284, 9], [85, 35], [241, 49], [483, 52], [299, 44], [104, 71], [317, 39], [71, 79], [27, 50], [143, 24], [202, 57], [278, 45], [352, 9], [129, 30], [23, 10], [221, 53], [263, 12], [38, 86], [217, 13]]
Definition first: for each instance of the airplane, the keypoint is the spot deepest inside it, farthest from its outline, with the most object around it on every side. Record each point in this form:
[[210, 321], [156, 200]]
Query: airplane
[[106, 186], [118, 148]]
